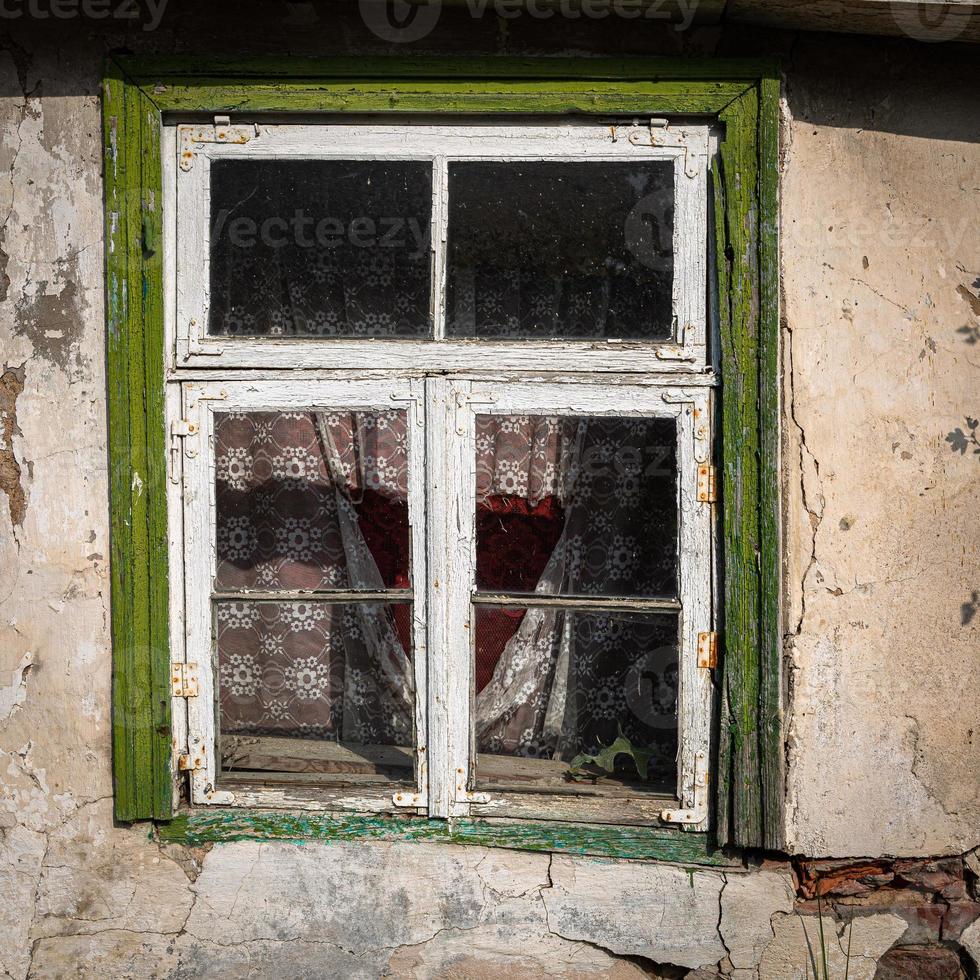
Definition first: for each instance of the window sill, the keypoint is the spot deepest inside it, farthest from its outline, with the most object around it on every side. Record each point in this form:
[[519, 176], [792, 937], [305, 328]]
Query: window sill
[[195, 827]]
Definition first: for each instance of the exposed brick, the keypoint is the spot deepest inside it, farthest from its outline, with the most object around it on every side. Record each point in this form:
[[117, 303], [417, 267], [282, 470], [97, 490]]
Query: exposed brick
[[919, 963], [958, 917]]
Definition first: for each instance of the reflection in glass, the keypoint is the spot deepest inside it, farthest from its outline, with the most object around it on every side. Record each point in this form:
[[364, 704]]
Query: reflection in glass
[[553, 683], [320, 248], [542, 250], [312, 500], [572, 505]]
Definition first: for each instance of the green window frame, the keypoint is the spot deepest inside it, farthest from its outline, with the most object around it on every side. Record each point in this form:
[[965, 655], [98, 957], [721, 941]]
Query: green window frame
[[743, 98]]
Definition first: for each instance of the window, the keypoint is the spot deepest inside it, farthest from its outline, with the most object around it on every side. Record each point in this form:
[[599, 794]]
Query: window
[[466, 321], [441, 402]]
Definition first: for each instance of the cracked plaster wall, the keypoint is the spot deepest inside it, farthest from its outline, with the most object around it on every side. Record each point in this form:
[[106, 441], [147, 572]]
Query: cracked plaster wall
[[880, 542]]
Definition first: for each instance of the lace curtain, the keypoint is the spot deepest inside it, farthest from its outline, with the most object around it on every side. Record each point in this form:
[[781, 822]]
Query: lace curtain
[[313, 500]]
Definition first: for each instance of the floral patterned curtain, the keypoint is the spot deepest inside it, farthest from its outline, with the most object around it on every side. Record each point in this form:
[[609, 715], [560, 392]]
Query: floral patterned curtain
[[565, 507], [566, 680], [313, 500]]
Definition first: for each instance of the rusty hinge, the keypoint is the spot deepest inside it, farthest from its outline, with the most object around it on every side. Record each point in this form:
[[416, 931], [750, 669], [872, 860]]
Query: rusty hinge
[[183, 680], [411, 799], [221, 132], [196, 759], [708, 650], [707, 483]]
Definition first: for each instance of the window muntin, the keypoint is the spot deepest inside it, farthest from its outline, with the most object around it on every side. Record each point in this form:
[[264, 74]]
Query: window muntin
[[449, 779]]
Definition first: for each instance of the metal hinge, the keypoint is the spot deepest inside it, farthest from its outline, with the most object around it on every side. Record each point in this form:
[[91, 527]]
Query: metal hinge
[[197, 759], [221, 132], [183, 680], [708, 650], [420, 800], [707, 483], [697, 813]]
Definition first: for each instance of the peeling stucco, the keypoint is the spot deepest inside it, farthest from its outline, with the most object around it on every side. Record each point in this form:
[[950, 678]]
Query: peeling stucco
[[11, 386], [50, 315]]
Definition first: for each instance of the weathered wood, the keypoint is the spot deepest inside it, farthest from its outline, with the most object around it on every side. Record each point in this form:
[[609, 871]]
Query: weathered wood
[[770, 543], [750, 792], [931, 20], [740, 446], [141, 701], [155, 434], [486, 72], [276, 754], [639, 843]]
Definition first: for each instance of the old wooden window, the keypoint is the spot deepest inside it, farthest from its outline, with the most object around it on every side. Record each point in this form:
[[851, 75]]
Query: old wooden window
[[441, 412], [501, 358]]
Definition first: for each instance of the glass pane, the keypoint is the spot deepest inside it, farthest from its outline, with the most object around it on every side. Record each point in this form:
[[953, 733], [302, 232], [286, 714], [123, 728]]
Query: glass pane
[[572, 505], [312, 500], [554, 684], [320, 248], [579, 251], [337, 675]]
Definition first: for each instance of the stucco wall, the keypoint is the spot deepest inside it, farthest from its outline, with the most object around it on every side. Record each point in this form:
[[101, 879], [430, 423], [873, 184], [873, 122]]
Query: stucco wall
[[880, 271]]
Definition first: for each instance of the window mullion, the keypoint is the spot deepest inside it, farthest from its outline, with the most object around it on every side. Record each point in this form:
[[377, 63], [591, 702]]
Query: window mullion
[[439, 225], [450, 551]]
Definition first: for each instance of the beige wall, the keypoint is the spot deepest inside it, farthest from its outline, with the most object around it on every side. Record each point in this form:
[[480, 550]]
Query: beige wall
[[880, 260], [880, 263]]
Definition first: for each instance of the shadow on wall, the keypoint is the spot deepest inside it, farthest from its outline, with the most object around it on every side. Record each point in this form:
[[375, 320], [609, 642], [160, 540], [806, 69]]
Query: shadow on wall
[[878, 68]]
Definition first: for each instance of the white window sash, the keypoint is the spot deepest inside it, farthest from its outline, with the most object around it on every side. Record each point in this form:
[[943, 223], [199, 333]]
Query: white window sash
[[201, 400], [685, 146], [453, 465]]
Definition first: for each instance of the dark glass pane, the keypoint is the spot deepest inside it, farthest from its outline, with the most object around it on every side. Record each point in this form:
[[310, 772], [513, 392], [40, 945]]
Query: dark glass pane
[[312, 500], [320, 248], [577, 251], [555, 683], [335, 673], [569, 505]]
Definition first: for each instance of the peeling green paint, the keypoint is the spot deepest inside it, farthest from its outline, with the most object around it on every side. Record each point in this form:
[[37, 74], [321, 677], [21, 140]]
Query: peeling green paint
[[742, 96], [638, 843]]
